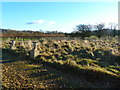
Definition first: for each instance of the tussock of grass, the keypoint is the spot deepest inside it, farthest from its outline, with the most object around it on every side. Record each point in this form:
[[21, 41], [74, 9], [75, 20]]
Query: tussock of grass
[[91, 73], [85, 69], [33, 65], [98, 69]]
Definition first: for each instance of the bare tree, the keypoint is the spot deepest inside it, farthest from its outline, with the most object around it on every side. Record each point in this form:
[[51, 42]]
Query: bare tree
[[100, 26], [90, 27], [84, 30], [113, 26], [83, 27]]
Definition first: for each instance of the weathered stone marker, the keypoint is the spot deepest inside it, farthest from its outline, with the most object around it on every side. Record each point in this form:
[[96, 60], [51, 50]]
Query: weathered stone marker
[[34, 52], [34, 45], [13, 45]]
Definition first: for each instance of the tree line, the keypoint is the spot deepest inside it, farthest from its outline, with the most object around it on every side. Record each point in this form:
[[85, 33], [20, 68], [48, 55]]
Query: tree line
[[27, 32], [81, 30], [99, 30]]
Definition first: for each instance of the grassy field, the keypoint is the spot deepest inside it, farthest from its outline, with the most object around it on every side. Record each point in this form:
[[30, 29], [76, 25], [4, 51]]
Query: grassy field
[[19, 72], [90, 63]]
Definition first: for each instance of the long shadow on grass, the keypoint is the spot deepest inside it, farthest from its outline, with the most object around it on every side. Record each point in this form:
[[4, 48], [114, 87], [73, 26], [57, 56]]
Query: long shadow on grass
[[44, 75], [48, 75], [9, 56], [101, 79], [104, 57]]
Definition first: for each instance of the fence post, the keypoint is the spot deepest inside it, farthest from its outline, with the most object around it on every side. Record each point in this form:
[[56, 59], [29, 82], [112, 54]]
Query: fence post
[[34, 52]]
